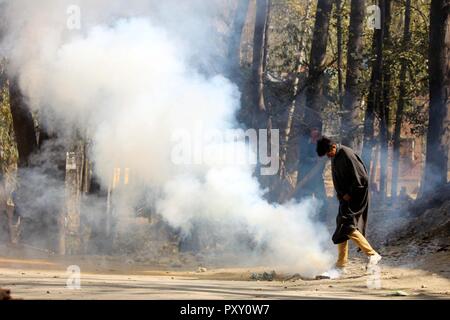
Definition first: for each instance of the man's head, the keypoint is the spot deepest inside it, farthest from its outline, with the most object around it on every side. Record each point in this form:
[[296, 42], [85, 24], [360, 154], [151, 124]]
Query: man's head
[[315, 134], [326, 147]]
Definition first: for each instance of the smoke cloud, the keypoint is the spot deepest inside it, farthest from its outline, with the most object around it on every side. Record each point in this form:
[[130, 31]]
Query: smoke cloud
[[128, 79]]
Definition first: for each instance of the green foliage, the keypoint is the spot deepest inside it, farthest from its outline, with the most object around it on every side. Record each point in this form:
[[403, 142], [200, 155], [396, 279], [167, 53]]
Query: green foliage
[[287, 20], [8, 148]]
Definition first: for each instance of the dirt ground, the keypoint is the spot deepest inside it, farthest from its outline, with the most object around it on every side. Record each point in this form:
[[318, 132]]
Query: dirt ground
[[425, 277], [415, 265]]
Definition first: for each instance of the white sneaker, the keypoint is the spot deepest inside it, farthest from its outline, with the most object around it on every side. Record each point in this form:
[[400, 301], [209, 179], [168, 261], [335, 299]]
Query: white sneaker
[[373, 261]]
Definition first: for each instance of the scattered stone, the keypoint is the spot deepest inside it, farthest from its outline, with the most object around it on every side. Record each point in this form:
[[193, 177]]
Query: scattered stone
[[399, 293], [265, 276], [330, 286], [423, 286], [48, 292], [294, 277], [202, 269]]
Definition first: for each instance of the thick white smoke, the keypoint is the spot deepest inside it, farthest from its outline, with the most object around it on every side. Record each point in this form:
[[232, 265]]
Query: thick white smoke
[[130, 83]]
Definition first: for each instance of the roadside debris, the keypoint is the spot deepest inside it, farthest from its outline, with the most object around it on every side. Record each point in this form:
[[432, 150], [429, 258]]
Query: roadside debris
[[265, 276], [293, 277]]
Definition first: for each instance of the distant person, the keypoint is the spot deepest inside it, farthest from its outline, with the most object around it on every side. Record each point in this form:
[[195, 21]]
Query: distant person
[[309, 171], [350, 180]]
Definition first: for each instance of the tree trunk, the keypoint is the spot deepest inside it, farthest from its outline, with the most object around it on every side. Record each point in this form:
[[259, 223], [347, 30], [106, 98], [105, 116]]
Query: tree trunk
[[339, 48], [401, 101], [23, 125], [439, 82], [234, 47], [25, 134], [314, 90], [385, 100], [373, 99], [259, 54], [299, 69], [352, 96]]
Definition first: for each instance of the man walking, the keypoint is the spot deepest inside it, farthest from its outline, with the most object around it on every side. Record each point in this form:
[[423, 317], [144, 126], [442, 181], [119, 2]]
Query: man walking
[[351, 182]]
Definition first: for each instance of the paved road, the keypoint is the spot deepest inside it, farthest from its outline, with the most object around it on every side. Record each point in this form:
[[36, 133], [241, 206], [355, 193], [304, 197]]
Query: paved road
[[35, 284]]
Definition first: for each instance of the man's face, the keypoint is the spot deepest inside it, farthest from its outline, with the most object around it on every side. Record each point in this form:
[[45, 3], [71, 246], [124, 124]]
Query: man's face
[[332, 152], [315, 135]]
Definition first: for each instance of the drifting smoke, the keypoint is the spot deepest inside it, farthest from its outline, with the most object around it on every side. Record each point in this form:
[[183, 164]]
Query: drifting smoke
[[129, 79]]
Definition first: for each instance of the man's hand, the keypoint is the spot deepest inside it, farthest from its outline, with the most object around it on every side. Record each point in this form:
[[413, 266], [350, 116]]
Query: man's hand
[[347, 197]]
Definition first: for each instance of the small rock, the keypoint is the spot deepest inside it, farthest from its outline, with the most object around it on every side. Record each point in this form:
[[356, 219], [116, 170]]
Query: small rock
[[330, 286], [201, 269], [48, 292], [265, 276], [423, 286]]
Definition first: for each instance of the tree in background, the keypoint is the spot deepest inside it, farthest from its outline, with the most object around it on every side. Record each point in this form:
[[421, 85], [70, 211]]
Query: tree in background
[[315, 83], [315, 89], [384, 102], [23, 123], [353, 94], [259, 62], [436, 166], [401, 99], [234, 40], [374, 96]]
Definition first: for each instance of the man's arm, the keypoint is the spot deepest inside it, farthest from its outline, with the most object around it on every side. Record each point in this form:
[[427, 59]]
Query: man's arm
[[355, 180], [312, 173]]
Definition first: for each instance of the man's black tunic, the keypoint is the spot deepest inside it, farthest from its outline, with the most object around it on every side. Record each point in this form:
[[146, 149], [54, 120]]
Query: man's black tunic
[[350, 177]]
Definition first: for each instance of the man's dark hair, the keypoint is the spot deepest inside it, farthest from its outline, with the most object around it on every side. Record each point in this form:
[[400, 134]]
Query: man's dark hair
[[323, 146]]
